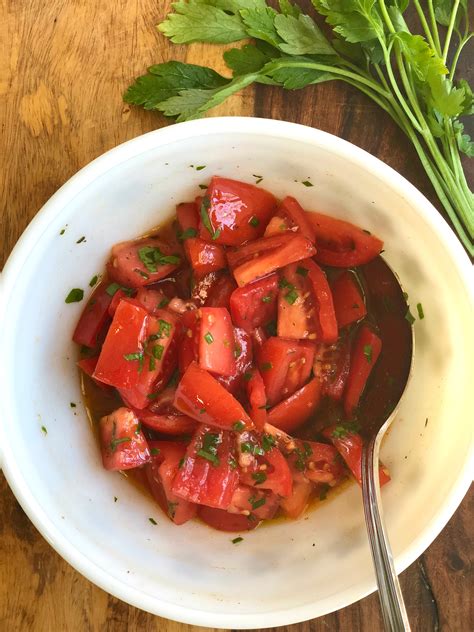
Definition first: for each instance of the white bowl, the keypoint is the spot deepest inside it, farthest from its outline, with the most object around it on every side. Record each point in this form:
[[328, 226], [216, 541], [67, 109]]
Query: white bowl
[[286, 572]]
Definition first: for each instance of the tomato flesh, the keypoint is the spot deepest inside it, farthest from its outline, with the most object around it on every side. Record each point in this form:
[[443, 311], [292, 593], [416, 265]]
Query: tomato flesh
[[94, 317], [225, 521], [331, 367], [216, 341], [123, 444], [257, 399], [349, 304], [292, 209], [243, 351], [293, 411], [204, 257], [255, 304], [365, 352]]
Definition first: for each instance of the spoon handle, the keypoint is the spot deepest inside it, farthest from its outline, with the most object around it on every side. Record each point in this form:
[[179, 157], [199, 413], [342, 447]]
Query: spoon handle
[[391, 599]]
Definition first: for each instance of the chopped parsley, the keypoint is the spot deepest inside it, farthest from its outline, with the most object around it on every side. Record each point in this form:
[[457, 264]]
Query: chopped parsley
[[267, 299], [302, 271], [75, 295], [257, 502], [266, 366], [368, 353], [144, 275], [239, 426], [409, 317], [62, 231], [291, 296], [209, 447], [152, 257], [164, 330], [154, 451], [254, 221], [237, 351], [113, 288], [157, 351], [203, 186], [205, 206], [307, 183], [138, 355], [163, 303], [237, 540], [80, 240], [114, 442], [153, 521], [115, 499], [94, 280], [282, 283], [72, 404], [44, 430], [258, 178], [200, 167], [187, 234], [259, 477], [420, 311], [209, 338], [268, 441]]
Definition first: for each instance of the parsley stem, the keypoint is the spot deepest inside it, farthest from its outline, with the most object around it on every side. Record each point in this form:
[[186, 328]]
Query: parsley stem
[[452, 21], [457, 54], [434, 25], [426, 28]]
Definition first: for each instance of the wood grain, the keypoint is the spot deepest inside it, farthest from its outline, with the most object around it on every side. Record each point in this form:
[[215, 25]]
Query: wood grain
[[64, 65]]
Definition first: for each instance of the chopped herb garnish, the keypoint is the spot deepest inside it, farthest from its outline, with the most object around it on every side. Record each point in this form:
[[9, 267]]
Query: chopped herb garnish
[[155, 451], [157, 351], [181, 463], [112, 288], [153, 395], [282, 283], [232, 462], [152, 257], [237, 540], [171, 509], [268, 441], [271, 328], [246, 446], [94, 280], [254, 221], [409, 317], [368, 353], [258, 178], [216, 234], [339, 432], [80, 240], [202, 411], [266, 366], [163, 303], [291, 296], [75, 295], [267, 299], [205, 206], [421, 313], [307, 449], [138, 355], [323, 493], [115, 499], [247, 376], [187, 234], [152, 364], [164, 330], [153, 521], [259, 477], [209, 338], [138, 428], [307, 183], [62, 231], [367, 232], [239, 426], [237, 351], [72, 404], [209, 446], [44, 430], [302, 271], [144, 275], [200, 167], [203, 186], [264, 407], [257, 502]]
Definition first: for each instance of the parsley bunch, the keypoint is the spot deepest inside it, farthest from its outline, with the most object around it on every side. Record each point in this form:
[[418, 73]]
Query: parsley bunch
[[369, 46]]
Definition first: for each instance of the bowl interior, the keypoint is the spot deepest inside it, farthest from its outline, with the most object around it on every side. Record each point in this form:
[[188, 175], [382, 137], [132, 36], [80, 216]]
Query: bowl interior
[[288, 571]]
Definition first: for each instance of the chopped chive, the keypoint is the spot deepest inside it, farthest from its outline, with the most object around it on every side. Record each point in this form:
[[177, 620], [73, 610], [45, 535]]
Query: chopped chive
[[152, 364], [153, 521], [256, 503], [214, 459], [254, 221], [208, 337], [133, 356], [200, 167], [266, 366], [164, 330], [267, 299], [164, 302], [421, 313], [409, 317], [75, 295], [259, 477], [152, 257], [282, 283], [80, 240], [44, 430], [302, 271], [93, 281], [62, 231], [237, 540], [72, 404], [291, 297], [187, 234], [144, 275], [158, 351], [239, 426], [246, 447], [307, 183], [368, 353], [155, 451], [115, 442]]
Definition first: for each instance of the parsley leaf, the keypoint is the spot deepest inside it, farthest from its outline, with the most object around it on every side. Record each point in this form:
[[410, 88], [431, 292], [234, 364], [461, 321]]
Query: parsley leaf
[[301, 36], [152, 257], [75, 295]]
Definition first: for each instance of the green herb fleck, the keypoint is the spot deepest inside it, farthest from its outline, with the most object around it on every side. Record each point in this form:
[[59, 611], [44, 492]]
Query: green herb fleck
[[144, 275], [257, 502], [209, 446], [237, 540], [302, 271], [247, 376], [172, 509], [153, 521], [254, 221], [80, 240], [158, 351], [232, 462], [267, 299], [258, 178], [112, 289], [62, 231], [115, 499], [307, 183], [266, 366], [291, 297], [94, 280], [152, 257], [420, 311], [163, 303], [209, 338], [239, 426], [259, 477], [187, 234], [282, 283], [181, 463], [237, 351], [164, 330], [202, 411], [203, 186], [75, 295], [368, 353], [44, 430], [72, 404], [268, 441], [200, 167], [205, 206], [154, 451], [138, 355], [409, 317]]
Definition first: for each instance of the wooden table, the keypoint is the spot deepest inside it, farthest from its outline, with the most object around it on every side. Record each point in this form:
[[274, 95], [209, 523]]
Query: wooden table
[[64, 66]]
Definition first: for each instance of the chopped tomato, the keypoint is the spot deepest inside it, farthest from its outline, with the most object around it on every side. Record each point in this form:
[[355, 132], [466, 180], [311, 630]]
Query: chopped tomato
[[276, 226], [234, 212], [365, 352], [270, 471], [122, 352], [166, 457], [292, 209], [250, 501], [243, 361], [220, 291], [200, 396], [88, 366], [255, 304], [264, 256], [189, 345], [123, 444], [225, 521], [151, 299], [187, 214], [209, 475], [293, 411], [349, 445], [216, 341], [204, 257], [162, 416], [257, 399], [317, 462], [116, 298], [142, 261], [285, 366], [158, 360], [94, 317], [349, 304], [342, 244], [259, 336], [294, 505], [331, 366]]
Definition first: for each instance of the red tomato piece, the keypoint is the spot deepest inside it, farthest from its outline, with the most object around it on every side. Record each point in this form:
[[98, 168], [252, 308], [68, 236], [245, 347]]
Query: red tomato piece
[[142, 261], [200, 396], [119, 359], [216, 341], [317, 462], [219, 293], [234, 211], [94, 317], [285, 366], [166, 457], [264, 256], [250, 501], [331, 366], [293, 209], [365, 352], [189, 345], [342, 244], [349, 445], [158, 361], [293, 411], [255, 304], [349, 303], [123, 444], [187, 214], [116, 298], [151, 299], [259, 336], [257, 399], [225, 521], [294, 505], [88, 366], [162, 416], [243, 351], [204, 257], [276, 226], [209, 475], [270, 471]]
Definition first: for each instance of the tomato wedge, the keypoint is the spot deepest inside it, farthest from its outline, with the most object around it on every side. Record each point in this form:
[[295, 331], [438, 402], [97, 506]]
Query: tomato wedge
[[187, 214], [262, 504], [208, 475], [243, 361], [292, 209], [331, 367], [204, 257], [161, 416], [142, 261], [200, 396], [294, 505], [365, 352], [255, 304], [217, 349], [285, 366], [151, 299], [233, 212], [276, 226], [161, 471], [317, 462], [349, 303], [257, 399], [342, 244], [349, 445], [123, 444], [94, 317], [270, 471], [189, 345], [220, 291], [293, 411], [225, 521]]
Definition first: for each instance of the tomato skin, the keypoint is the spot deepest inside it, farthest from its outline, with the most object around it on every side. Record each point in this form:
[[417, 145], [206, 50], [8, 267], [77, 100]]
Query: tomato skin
[[277, 471], [162, 416], [360, 367], [216, 341], [248, 307], [232, 207], [93, 318], [220, 291], [349, 445], [331, 366], [200, 396], [294, 505], [255, 387], [285, 366], [126, 268], [316, 462], [298, 216], [225, 521], [126, 335], [161, 471], [293, 411], [245, 499], [349, 304], [243, 362], [189, 344], [203, 482], [187, 214], [203, 256], [269, 257], [342, 244], [123, 444], [276, 226], [151, 299]]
